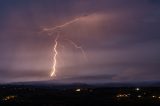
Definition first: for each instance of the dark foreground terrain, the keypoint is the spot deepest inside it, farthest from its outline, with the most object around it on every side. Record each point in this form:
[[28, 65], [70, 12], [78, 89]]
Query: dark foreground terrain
[[78, 95]]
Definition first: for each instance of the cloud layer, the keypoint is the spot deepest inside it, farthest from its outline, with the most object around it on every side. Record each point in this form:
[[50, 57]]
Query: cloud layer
[[121, 39]]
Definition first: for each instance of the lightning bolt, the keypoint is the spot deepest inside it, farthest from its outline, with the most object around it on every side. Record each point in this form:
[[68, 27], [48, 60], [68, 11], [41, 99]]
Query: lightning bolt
[[54, 58], [50, 31], [78, 47], [63, 25]]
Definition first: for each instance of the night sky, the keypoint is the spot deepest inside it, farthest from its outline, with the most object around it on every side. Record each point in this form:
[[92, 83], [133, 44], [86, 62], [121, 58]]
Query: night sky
[[121, 39]]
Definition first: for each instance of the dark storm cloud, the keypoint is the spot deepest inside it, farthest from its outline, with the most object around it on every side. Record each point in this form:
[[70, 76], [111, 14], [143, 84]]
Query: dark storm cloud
[[121, 38]]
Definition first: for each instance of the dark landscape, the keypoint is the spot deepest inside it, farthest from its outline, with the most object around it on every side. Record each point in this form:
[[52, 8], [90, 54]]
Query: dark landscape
[[78, 95]]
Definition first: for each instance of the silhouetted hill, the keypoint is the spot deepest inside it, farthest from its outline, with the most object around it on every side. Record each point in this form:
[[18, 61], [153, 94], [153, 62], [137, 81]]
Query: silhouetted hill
[[77, 84]]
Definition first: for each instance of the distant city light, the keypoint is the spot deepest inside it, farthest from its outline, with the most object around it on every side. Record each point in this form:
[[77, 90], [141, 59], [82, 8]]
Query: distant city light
[[153, 96], [137, 89], [139, 96], [78, 90]]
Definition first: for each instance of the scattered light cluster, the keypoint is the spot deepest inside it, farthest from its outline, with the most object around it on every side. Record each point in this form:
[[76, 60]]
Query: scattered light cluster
[[158, 97], [123, 95], [139, 95], [11, 97]]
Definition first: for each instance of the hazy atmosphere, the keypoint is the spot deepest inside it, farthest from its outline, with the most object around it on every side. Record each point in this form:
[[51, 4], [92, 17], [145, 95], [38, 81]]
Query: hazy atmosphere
[[120, 40]]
